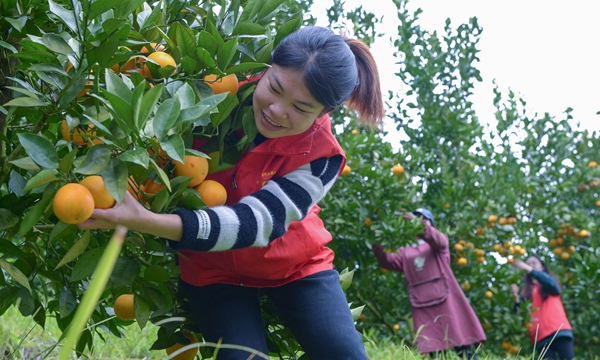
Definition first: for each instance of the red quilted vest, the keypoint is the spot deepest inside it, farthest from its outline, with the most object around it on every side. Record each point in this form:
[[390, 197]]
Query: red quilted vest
[[302, 250]]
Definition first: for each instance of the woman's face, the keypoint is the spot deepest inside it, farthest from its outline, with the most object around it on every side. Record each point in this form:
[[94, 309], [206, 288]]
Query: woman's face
[[535, 263], [282, 104]]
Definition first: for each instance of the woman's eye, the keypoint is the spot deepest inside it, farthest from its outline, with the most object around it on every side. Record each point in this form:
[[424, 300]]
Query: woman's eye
[[273, 89], [300, 110]]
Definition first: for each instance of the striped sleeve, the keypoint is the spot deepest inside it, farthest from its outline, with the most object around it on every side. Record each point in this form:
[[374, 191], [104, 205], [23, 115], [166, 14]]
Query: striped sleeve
[[259, 218]]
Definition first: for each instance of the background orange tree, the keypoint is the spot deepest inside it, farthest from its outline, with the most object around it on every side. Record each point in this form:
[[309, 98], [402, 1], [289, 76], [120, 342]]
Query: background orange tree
[[526, 186], [534, 174]]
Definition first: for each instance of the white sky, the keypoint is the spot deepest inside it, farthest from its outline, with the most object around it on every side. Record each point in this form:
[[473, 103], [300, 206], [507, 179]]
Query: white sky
[[548, 51]]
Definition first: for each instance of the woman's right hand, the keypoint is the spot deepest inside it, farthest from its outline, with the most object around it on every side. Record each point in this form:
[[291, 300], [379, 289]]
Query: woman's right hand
[[522, 265], [514, 290]]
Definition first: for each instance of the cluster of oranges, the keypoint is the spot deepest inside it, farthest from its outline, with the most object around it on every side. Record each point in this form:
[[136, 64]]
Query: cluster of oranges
[[463, 249], [508, 248], [510, 348], [562, 244], [75, 202]]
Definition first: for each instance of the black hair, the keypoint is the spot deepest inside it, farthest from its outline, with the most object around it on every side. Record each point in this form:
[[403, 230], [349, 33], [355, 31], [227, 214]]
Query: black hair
[[335, 70], [527, 287]]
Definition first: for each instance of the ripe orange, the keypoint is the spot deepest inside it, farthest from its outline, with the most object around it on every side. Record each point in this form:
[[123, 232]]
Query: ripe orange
[[597, 202], [512, 220], [355, 131], [228, 83], [492, 218], [565, 255], [161, 58], [480, 231], [396, 327], [466, 286], [584, 233], [73, 203], [346, 171], [152, 187], [462, 261], [123, 306], [212, 193], [510, 261], [102, 198], [503, 221], [488, 294], [458, 247], [128, 65], [497, 247], [593, 164], [189, 354], [153, 46], [397, 170], [80, 136], [368, 222], [480, 259], [193, 166]]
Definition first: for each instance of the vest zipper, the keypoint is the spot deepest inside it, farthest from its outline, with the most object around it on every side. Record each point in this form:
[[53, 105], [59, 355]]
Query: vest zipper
[[233, 182]]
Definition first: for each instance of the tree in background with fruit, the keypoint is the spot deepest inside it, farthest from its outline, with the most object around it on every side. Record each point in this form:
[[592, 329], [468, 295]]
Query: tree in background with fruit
[[526, 186], [107, 95]]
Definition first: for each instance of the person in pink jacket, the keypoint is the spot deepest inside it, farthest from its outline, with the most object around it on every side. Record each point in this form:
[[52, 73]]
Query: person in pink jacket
[[443, 317]]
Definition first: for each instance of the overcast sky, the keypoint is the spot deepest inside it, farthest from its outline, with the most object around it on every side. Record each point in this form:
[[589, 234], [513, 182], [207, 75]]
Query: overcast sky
[[546, 51]]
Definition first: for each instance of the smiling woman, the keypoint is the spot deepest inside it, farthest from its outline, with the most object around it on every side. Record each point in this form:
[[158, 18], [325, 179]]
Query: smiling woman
[[270, 217]]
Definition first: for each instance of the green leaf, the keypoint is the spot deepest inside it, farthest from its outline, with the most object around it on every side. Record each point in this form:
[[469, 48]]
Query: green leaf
[[101, 6], [115, 178], [207, 43], [77, 249], [126, 271], [15, 273], [165, 117], [205, 58], [24, 101], [25, 163], [41, 178], [346, 279], [249, 28], [174, 147], [156, 273], [116, 86], [36, 211], [185, 40], [39, 149], [85, 265], [186, 96], [57, 44], [95, 160], [149, 101], [67, 302], [138, 156], [8, 219], [65, 15], [126, 8], [226, 53]]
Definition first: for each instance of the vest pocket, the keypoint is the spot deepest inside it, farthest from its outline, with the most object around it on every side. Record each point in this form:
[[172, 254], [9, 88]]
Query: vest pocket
[[427, 293]]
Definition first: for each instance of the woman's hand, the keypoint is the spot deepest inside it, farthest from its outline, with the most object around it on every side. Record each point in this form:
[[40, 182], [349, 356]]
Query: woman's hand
[[409, 216], [134, 216], [522, 265], [514, 290]]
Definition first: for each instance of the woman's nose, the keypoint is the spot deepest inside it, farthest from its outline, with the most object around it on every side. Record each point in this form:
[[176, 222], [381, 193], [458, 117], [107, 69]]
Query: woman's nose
[[278, 110]]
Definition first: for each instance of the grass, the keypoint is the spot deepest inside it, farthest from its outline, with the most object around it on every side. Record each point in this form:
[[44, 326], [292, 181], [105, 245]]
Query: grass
[[22, 339]]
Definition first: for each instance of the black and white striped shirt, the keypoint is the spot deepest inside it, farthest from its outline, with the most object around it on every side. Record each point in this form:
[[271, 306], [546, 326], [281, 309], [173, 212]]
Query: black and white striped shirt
[[261, 217]]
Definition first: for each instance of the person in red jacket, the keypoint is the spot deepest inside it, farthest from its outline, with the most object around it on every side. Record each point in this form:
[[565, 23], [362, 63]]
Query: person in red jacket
[[550, 330], [443, 317], [268, 238]]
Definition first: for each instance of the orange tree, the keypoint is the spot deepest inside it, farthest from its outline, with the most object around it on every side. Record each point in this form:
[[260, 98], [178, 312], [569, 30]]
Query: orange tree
[[118, 89], [528, 185]]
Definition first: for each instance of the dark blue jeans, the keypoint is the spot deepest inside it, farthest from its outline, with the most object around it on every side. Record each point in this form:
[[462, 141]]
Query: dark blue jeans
[[314, 308]]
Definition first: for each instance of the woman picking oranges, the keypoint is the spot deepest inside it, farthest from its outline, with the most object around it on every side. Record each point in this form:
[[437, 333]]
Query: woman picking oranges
[[268, 238]]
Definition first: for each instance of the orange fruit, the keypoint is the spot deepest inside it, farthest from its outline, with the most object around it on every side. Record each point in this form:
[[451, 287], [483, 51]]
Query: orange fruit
[[480, 231], [73, 203], [152, 187], [466, 286], [462, 261], [565, 255], [212, 193], [228, 83], [492, 218], [488, 294], [193, 166], [102, 198], [123, 306], [128, 65], [584, 233], [597, 202], [503, 221], [512, 220], [396, 327], [80, 136], [593, 164], [346, 171], [480, 259], [510, 260], [161, 58], [368, 222], [497, 247], [355, 131], [158, 153], [458, 247], [189, 354], [397, 170]]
